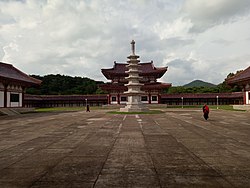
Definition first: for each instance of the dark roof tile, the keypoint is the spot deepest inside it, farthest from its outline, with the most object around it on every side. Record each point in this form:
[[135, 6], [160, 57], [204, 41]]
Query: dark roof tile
[[9, 72], [144, 69], [242, 76]]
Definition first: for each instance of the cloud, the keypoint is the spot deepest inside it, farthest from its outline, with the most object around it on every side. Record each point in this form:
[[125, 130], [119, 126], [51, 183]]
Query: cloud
[[205, 14], [222, 42], [183, 71], [178, 28], [79, 37]]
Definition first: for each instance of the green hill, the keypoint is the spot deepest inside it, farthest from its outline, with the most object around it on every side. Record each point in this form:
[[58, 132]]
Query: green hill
[[65, 85], [199, 83]]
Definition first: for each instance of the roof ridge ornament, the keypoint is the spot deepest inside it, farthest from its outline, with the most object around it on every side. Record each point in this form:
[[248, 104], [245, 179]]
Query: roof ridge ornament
[[133, 47]]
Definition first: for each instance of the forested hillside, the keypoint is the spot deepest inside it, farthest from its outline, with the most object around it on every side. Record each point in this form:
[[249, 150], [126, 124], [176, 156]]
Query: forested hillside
[[65, 85], [197, 88], [199, 83]]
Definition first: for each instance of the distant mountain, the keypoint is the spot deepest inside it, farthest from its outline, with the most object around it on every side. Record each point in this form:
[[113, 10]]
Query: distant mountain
[[199, 83]]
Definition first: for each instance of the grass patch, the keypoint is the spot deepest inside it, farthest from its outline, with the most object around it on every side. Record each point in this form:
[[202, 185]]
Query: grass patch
[[60, 109], [146, 112], [225, 107], [164, 106]]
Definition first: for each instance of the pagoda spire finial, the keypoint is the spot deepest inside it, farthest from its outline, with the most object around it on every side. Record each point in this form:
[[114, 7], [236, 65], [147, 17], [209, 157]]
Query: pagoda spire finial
[[133, 47]]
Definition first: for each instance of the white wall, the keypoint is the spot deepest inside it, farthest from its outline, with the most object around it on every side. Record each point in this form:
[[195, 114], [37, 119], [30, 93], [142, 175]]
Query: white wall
[[1, 99], [154, 102], [1, 95], [247, 93], [124, 102], [14, 89], [14, 104], [8, 99], [20, 100]]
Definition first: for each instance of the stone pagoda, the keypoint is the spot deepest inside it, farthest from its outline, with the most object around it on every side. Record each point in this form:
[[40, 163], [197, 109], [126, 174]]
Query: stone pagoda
[[134, 92], [148, 75]]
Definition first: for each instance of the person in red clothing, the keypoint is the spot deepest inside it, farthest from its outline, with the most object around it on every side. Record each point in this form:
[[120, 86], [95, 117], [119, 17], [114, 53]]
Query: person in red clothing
[[205, 111]]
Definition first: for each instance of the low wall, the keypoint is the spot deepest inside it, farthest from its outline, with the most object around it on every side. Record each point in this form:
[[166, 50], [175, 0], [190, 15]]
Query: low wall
[[242, 107]]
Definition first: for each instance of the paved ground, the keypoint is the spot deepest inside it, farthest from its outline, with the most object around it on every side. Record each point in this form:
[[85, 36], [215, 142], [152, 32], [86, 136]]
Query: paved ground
[[174, 149]]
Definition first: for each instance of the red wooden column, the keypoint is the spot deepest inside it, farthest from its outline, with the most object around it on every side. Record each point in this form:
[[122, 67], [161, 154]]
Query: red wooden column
[[5, 95], [244, 97], [23, 88], [109, 101], [248, 96], [118, 98], [149, 98], [159, 98]]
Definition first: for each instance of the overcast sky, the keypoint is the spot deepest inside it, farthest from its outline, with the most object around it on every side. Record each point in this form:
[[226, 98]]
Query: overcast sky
[[196, 39]]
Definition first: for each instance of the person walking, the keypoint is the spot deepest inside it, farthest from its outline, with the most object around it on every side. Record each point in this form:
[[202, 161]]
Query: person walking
[[87, 109], [205, 109]]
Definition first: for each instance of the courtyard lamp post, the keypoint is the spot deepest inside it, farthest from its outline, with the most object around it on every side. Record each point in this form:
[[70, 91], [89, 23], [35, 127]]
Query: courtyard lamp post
[[217, 101], [181, 102], [86, 100]]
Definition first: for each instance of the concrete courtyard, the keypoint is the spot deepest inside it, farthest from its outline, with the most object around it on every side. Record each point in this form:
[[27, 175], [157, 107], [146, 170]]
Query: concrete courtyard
[[177, 148]]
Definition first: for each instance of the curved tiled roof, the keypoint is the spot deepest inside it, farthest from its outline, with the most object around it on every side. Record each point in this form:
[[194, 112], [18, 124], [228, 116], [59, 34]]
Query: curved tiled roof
[[150, 86], [11, 74], [240, 77], [155, 86], [144, 69], [112, 87]]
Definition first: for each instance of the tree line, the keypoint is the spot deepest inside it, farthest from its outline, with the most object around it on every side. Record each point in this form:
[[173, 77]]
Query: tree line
[[67, 85], [221, 88]]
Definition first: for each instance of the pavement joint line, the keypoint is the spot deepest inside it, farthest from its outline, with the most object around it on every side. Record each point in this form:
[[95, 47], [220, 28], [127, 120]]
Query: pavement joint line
[[119, 129], [120, 126], [151, 158], [111, 148], [124, 117]]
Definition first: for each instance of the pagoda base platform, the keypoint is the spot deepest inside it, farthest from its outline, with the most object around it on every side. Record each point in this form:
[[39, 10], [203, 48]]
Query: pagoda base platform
[[134, 108]]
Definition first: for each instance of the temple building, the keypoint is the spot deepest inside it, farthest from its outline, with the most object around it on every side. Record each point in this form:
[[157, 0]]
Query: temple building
[[148, 75], [12, 85], [242, 79]]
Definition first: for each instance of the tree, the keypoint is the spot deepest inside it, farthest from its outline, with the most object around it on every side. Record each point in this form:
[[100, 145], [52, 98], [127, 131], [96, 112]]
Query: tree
[[64, 85]]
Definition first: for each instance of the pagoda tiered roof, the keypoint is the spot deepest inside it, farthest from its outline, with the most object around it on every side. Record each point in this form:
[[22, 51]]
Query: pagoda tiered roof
[[145, 87], [243, 76], [156, 86], [145, 69], [9, 73]]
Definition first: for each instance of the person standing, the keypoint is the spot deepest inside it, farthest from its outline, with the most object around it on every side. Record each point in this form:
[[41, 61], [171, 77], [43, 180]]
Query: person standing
[[205, 111]]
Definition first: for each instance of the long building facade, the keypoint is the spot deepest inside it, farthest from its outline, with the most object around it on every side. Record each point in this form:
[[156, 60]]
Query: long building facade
[[39, 101]]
